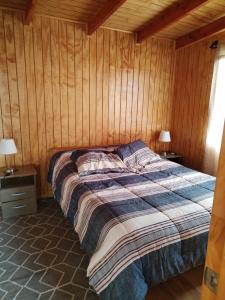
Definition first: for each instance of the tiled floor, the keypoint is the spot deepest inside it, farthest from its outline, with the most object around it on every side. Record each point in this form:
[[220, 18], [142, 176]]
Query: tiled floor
[[40, 258]]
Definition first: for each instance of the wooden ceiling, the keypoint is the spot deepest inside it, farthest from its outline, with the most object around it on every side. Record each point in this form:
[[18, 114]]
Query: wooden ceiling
[[131, 15]]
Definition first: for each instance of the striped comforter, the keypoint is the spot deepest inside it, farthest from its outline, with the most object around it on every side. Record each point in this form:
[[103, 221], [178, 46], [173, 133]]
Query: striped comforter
[[137, 228]]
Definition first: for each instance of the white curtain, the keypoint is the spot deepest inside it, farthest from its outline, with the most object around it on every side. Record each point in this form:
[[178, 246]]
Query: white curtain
[[216, 115]]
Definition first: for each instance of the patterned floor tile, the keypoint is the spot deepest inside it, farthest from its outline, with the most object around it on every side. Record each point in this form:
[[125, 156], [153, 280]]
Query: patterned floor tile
[[21, 276], [19, 257], [75, 290], [80, 278], [27, 294], [59, 295], [40, 258], [5, 252], [11, 290]]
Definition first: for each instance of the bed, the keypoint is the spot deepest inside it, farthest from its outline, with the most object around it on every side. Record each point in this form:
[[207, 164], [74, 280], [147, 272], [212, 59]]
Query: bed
[[138, 228]]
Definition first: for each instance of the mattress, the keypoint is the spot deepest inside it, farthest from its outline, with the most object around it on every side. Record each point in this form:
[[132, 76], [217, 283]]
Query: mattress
[[138, 228]]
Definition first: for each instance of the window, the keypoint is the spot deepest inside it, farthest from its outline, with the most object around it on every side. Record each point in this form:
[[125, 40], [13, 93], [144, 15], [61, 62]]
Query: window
[[216, 116]]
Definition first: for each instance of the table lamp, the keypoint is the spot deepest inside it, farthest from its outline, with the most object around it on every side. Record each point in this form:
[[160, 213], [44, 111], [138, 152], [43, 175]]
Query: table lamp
[[164, 137], [8, 147]]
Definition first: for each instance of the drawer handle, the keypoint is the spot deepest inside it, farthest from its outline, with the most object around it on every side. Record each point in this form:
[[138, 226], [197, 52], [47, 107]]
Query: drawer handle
[[19, 194], [19, 206]]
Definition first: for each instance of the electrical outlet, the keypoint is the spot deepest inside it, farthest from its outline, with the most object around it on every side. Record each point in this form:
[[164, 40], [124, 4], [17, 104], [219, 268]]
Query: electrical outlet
[[211, 279]]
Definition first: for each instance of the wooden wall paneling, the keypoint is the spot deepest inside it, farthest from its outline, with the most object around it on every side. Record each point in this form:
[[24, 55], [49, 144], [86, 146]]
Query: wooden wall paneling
[[166, 79], [193, 78], [160, 104], [18, 20], [105, 84], [112, 83], [93, 91], [177, 104], [4, 90], [69, 89], [184, 105], [155, 95], [188, 105], [39, 84], [160, 94], [116, 138], [56, 100], [198, 64], [169, 61], [164, 93], [130, 83], [171, 81], [3, 83], [99, 87], [141, 82], [31, 88], [78, 83], [47, 68], [70, 31], [12, 82], [151, 93], [146, 101], [63, 65], [124, 52], [137, 51], [86, 90]]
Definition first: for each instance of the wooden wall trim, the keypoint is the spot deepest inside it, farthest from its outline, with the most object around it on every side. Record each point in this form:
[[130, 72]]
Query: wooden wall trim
[[58, 88]]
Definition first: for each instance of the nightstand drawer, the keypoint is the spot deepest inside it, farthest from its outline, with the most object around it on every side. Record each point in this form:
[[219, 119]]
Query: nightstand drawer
[[18, 193], [19, 207]]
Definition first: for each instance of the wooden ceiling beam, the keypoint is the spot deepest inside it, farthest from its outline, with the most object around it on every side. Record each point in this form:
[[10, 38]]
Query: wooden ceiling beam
[[31, 5], [103, 15], [201, 33], [168, 17]]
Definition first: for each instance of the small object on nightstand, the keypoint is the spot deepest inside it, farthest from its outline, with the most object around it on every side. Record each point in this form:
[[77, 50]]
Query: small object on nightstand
[[173, 157], [18, 192]]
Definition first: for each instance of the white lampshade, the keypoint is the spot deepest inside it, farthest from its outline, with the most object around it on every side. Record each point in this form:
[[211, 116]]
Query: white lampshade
[[7, 146], [164, 136]]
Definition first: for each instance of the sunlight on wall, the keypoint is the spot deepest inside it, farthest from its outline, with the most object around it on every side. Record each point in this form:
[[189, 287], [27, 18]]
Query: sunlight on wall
[[216, 119], [215, 131]]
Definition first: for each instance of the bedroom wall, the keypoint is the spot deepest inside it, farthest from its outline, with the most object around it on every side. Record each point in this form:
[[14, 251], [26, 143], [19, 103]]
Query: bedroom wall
[[193, 79], [59, 87]]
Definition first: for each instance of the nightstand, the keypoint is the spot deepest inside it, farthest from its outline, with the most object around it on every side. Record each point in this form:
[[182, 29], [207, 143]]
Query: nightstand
[[18, 192], [173, 157]]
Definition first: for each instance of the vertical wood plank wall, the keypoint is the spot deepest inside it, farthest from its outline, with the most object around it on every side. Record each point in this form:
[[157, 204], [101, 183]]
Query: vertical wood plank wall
[[58, 87], [193, 79]]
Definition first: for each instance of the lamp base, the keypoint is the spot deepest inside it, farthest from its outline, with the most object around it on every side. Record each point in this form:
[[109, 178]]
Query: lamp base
[[9, 171], [164, 153]]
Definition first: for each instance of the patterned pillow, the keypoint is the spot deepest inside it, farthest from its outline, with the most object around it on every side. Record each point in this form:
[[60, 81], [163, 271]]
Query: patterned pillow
[[99, 163], [136, 154], [77, 153]]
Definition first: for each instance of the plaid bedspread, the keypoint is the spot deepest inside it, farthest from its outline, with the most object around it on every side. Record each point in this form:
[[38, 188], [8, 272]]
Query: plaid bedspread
[[138, 229]]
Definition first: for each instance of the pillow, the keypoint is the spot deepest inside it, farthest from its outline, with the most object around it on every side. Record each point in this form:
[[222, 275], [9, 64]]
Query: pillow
[[136, 154], [99, 163], [77, 153]]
